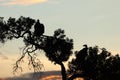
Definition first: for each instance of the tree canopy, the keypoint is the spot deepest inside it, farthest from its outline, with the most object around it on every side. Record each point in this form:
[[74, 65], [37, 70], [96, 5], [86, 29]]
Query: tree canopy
[[93, 63]]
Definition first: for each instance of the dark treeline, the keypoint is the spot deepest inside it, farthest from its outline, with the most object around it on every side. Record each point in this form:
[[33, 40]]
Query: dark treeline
[[90, 63]]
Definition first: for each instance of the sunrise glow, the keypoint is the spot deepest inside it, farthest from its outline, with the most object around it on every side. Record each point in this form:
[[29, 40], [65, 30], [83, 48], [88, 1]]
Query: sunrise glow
[[52, 77]]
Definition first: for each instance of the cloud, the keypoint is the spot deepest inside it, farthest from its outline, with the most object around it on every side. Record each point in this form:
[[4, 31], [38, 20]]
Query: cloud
[[23, 2]]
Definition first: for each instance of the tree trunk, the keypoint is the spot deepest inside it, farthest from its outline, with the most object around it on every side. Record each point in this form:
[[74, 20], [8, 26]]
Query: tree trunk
[[63, 71]]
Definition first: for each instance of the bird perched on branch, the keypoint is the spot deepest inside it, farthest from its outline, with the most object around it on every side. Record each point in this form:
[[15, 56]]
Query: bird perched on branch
[[38, 29], [83, 53]]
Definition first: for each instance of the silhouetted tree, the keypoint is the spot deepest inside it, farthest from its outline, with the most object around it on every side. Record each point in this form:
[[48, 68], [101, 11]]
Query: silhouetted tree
[[57, 48], [98, 64]]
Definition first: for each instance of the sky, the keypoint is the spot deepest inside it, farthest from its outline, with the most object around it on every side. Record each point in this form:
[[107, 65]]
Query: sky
[[92, 22]]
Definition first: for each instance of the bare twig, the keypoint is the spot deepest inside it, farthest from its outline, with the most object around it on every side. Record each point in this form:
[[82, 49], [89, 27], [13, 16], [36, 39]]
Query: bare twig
[[33, 62]]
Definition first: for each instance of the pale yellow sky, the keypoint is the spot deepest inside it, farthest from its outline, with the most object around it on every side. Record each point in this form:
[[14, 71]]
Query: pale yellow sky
[[6, 65]]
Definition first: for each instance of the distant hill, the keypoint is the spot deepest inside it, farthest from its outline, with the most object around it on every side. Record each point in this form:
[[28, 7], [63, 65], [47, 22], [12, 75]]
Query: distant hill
[[47, 75]]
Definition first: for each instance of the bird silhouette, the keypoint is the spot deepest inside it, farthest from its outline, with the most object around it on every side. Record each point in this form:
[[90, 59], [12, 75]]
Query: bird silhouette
[[38, 29]]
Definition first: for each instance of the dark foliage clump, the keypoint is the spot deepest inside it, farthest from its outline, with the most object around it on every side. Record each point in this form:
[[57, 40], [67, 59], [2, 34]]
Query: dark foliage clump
[[95, 64]]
